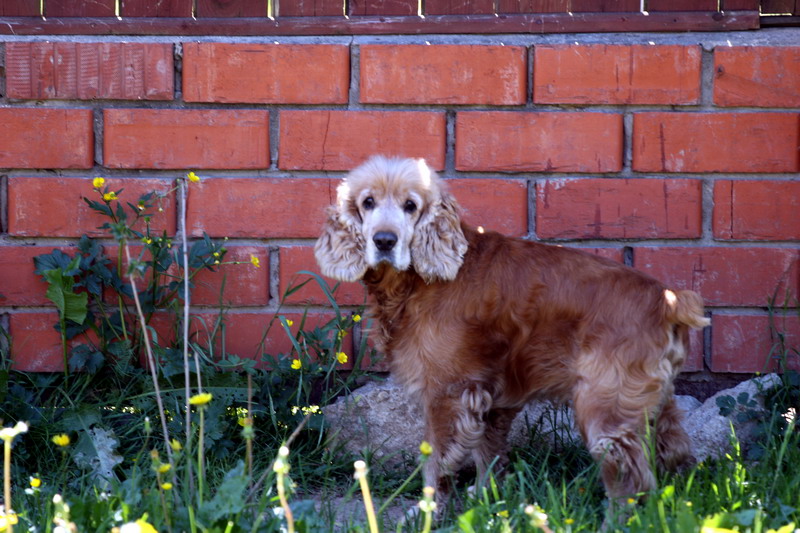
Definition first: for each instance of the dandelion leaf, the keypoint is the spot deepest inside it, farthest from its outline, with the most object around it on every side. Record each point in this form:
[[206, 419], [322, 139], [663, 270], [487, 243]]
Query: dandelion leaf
[[96, 452], [229, 498]]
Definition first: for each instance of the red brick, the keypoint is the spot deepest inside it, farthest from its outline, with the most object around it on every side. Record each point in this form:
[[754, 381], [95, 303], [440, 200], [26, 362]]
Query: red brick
[[340, 140], [245, 284], [539, 142], [763, 210], [296, 258], [443, 74], [726, 276], [266, 73], [87, 71], [715, 142], [186, 139], [53, 207], [260, 208], [20, 285], [37, 345], [252, 335], [745, 343], [496, 204], [763, 76], [615, 254], [610, 208], [695, 359], [46, 138], [616, 74]]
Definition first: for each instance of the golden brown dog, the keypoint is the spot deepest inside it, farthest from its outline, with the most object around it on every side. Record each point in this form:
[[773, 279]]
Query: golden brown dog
[[477, 324]]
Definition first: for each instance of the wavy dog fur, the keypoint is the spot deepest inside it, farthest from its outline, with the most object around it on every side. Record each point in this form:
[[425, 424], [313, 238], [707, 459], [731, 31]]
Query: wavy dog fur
[[476, 324]]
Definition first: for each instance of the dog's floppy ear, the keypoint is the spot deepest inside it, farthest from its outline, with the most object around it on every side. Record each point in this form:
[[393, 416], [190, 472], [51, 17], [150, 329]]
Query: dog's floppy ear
[[340, 249], [439, 245]]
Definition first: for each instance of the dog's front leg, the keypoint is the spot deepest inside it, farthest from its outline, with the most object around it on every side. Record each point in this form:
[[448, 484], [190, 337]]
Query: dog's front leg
[[455, 425]]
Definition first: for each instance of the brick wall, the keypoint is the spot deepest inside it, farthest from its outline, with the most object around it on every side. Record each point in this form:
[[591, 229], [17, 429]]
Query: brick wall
[[675, 154]]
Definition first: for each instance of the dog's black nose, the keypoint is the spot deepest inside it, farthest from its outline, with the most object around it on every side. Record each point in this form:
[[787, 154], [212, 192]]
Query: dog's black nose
[[384, 240]]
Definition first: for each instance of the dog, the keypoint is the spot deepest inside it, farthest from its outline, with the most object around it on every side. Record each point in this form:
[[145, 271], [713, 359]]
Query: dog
[[476, 324]]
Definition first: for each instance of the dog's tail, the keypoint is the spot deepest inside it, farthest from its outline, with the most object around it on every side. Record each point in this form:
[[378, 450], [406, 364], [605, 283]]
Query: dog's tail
[[685, 307]]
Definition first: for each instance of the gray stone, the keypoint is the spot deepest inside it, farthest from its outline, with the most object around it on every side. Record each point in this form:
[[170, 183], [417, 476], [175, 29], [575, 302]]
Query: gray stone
[[380, 423], [711, 432]]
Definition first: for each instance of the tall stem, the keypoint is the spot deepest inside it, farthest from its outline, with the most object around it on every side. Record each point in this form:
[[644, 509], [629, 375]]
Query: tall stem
[[7, 482], [151, 360], [186, 367]]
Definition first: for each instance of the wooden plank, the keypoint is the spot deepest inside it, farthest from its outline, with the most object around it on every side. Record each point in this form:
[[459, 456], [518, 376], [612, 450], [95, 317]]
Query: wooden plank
[[533, 6], [459, 7], [79, 8], [383, 7], [379, 25], [604, 6], [783, 7], [156, 8], [740, 5], [19, 8], [231, 8], [681, 5], [310, 8]]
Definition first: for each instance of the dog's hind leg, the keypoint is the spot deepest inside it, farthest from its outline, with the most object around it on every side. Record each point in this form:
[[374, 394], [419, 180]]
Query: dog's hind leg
[[495, 441], [673, 445], [612, 424], [455, 426]]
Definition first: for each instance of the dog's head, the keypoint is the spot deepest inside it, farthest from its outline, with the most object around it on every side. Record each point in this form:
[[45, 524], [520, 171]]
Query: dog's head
[[393, 211]]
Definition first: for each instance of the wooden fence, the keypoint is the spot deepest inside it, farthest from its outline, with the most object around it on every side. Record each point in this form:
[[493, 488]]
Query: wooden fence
[[331, 17]]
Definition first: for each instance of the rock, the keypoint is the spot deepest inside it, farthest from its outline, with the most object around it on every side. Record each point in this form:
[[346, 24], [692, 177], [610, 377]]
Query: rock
[[380, 423], [687, 403], [711, 432]]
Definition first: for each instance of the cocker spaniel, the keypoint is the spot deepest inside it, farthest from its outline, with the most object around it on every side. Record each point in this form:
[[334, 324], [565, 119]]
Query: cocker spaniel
[[475, 324]]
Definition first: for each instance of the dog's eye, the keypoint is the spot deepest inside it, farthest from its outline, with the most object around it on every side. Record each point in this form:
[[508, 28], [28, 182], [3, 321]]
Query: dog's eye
[[368, 203], [409, 207]]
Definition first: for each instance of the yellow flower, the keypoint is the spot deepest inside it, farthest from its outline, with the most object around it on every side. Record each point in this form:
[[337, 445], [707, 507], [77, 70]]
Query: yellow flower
[[98, 182], [255, 261], [289, 323], [503, 513], [110, 196], [215, 254], [569, 521], [147, 240], [61, 440], [175, 445], [194, 178], [140, 526], [425, 448], [140, 205], [356, 318], [36, 482], [163, 469], [341, 357], [166, 486], [6, 520], [200, 399], [296, 364], [631, 501]]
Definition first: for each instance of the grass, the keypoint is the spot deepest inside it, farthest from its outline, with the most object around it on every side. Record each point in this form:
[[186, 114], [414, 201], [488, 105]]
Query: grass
[[203, 441]]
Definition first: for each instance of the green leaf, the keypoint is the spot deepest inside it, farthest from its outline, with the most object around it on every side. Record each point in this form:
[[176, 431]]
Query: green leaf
[[70, 306], [466, 521], [85, 358], [55, 260], [228, 500]]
